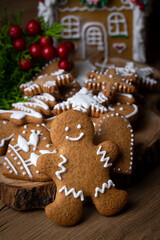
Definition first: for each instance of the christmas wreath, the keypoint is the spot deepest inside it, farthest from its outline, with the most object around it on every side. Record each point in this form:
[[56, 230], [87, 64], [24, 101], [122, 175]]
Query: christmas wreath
[[94, 3]]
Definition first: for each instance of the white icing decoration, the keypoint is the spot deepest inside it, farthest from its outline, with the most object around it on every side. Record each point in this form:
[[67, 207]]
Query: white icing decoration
[[72, 24], [32, 160], [104, 186], [115, 21], [73, 191], [2, 143], [82, 101], [11, 165], [47, 151], [59, 72], [79, 126], [18, 115], [36, 103], [75, 139], [103, 158], [119, 47], [23, 144], [49, 84], [67, 129], [45, 10], [138, 52], [63, 169], [134, 112]]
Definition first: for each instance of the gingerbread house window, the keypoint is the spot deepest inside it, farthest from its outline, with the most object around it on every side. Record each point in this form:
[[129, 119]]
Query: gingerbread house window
[[117, 25], [72, 27], [94, 37]]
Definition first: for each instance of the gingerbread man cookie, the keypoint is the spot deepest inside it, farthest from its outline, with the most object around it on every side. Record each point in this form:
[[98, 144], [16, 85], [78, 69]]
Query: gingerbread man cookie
[[80, 169], [111, 81], [27, 144]]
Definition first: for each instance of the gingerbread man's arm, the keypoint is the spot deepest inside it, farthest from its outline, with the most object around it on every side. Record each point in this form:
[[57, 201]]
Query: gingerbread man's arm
[[107, 152], [47, 162]]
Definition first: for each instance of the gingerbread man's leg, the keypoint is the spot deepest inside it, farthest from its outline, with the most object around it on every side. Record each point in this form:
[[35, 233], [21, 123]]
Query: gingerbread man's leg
[[111, 201], [65, 210]]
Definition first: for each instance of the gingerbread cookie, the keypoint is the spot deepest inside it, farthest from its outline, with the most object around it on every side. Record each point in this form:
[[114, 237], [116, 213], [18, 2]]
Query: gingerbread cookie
[[83, 101], [80, 169], [30, 112], [69, 90], [7, 130], [111, 81], [52, 67], [128, 110], [46, 83], [124, 98], [116, 128], [144, 75], [27, 144]]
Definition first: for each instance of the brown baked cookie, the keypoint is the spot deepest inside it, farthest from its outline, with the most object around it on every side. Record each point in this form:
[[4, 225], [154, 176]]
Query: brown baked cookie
[[129, 111], [69, 90], [52, 67], [80, 169], [116, 128], [45, 83], [83, 101], [144, 75], [110, 82], [27, 144], [7, 130], [31, 111], [124, 98]]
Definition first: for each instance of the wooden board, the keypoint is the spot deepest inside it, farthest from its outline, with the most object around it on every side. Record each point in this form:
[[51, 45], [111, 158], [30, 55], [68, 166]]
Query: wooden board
[[140, 220]]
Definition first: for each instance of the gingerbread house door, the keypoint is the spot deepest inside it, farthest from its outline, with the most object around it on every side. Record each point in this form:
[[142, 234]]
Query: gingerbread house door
[[94, 40]]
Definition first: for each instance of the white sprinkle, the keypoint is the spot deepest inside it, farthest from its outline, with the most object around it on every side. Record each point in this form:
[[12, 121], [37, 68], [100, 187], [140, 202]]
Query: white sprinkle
[[48, 145], [19, 163], [24, 132], [24, 173], [37, 171]]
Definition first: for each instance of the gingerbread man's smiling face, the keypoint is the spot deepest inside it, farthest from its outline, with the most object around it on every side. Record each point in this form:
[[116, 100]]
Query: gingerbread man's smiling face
[[71, 127]]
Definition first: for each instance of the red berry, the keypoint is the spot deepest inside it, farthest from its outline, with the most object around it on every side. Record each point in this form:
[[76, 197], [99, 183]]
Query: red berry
[[19, 44], [133, 1], [64, 64], [141, 7], [49, 52], [15, 32], [35, 50], [45, 41], [41, 1], [33, 27], [63, 51], [25, 64], [70, 46]]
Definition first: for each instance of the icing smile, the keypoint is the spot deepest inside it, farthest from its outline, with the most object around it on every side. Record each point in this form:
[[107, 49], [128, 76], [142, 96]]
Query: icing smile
[[75, 139]]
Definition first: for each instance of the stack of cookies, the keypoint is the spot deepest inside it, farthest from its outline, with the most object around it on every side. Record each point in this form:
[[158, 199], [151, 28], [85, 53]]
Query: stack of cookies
[[75, 135]]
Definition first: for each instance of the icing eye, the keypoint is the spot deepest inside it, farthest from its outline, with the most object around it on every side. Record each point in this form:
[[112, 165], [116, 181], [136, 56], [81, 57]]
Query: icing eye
[[67, 129], [79, 126]]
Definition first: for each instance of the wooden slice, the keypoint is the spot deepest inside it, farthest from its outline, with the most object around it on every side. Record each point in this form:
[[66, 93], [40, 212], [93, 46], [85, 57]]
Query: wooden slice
[[25, 195]]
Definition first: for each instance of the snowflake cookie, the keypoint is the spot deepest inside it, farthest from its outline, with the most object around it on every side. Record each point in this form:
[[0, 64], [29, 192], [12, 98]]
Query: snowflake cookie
[[80, 169], [111, 81], [116, 128], [83, 101], [27, 144], [46, 83]]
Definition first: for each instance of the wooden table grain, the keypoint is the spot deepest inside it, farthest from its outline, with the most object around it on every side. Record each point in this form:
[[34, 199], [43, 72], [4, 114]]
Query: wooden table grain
[[140, 220]]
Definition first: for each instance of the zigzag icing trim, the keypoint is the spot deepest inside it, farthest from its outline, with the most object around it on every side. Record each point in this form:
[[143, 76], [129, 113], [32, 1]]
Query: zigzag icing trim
[[103, 158], [104, 186], [63, 169], [72, 190]]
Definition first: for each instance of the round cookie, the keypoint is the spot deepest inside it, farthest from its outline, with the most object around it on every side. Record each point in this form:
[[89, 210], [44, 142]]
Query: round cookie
[[27, 144], [80, 169], [115, 127]]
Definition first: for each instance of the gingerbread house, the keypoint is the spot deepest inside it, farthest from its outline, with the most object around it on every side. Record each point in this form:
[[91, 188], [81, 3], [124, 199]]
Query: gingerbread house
[[116, 29]]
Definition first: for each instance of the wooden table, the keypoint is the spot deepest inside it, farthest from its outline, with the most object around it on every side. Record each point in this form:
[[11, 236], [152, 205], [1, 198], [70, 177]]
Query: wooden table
[[140, 220]]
